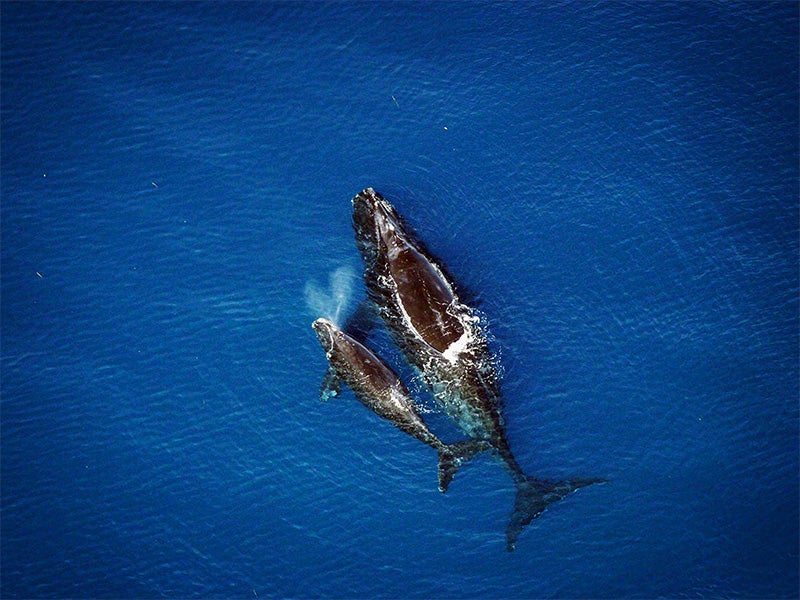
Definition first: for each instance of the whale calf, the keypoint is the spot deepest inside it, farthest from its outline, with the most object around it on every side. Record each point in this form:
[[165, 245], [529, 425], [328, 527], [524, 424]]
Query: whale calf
[[378, 387], [443, 339]]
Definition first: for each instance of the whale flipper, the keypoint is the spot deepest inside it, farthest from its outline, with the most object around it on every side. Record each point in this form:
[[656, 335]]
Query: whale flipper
[[533, 497], [452, 456], [331, 385], [358, 325]]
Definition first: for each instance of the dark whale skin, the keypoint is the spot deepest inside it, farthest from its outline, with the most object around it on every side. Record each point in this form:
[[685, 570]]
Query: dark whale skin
[[442, 338], [379, 388], [426, 319]]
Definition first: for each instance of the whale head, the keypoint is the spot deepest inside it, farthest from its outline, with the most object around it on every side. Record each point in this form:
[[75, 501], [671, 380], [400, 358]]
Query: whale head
[[326, 333], [374, 219]]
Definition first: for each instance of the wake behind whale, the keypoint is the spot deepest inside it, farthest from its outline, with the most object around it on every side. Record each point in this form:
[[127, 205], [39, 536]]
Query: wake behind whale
[[441, 337]]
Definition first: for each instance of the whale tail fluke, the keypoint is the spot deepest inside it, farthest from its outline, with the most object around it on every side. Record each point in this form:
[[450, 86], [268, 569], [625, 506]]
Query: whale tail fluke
[[452, 456], [533, 497]]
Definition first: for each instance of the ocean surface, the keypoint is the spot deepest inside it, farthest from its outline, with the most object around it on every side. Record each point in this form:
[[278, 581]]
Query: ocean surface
[[615, 187]]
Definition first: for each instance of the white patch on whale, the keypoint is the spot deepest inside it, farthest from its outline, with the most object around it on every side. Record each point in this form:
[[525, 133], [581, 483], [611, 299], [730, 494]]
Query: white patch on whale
[[455, 349]]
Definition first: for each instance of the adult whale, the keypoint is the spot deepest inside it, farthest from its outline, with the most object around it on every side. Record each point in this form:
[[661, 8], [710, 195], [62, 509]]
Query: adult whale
[[443, 339], [378, 387]]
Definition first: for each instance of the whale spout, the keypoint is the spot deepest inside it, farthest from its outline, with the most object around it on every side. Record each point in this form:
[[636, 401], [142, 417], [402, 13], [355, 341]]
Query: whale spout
[[533, 497]]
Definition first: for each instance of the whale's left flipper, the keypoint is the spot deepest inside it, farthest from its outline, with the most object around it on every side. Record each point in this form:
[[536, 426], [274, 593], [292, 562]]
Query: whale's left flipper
[[533, 497], [452, 456], [331, 385]]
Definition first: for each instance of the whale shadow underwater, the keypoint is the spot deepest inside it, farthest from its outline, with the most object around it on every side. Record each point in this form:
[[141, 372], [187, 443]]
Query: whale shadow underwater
[[444, 340]]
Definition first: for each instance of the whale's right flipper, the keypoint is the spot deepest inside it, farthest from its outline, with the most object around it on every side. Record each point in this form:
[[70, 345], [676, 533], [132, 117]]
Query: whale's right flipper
[[533, 497], [452, 456]]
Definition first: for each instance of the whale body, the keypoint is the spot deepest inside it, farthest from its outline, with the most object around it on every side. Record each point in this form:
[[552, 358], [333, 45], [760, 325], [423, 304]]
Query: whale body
[[378, 387], [444, 340]]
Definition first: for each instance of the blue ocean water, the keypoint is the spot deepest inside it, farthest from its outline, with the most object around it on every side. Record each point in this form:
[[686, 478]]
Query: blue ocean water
[[615, 183]]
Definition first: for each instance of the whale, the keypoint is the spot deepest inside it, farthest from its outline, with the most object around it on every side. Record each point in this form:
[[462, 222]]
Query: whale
[[445, 341], [380, 389]]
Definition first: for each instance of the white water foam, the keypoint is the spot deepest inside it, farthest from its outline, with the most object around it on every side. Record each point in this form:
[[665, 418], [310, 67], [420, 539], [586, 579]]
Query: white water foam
[[334, 302]]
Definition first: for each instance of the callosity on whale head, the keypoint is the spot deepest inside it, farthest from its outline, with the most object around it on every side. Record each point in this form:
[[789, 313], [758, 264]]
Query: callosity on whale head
[[371, 213], [325, 333]]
